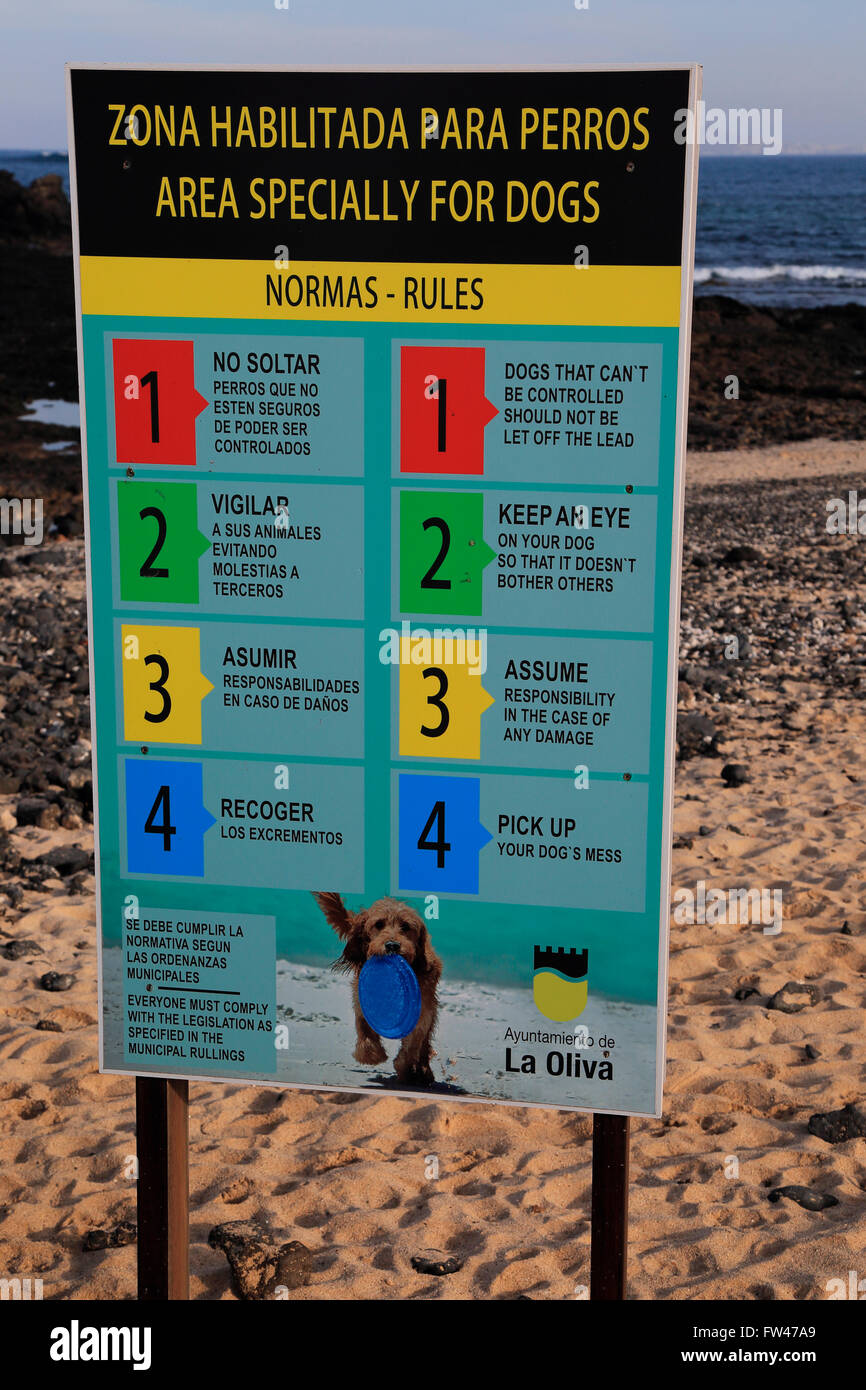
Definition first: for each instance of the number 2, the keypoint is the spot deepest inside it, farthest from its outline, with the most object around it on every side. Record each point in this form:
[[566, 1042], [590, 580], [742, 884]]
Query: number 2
[[429, 581], [147, 570]]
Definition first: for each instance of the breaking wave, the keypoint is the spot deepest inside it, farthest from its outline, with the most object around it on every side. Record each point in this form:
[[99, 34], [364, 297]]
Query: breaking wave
[[722, 274]]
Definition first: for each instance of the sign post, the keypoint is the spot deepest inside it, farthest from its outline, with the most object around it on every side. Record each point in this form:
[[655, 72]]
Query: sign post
[[608, 1259], [384, 399], [162, 1136]]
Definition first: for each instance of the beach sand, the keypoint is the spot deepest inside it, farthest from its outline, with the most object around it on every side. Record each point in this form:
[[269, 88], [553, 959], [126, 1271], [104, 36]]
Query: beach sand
[[368, 1182]]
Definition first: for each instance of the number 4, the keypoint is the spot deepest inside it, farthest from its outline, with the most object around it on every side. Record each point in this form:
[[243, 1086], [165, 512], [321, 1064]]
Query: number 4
[[440, 845], [166, 829]]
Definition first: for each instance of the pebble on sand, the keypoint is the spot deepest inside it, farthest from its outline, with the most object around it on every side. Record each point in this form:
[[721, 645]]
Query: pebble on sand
[[55, 982], [735, 775], [261, 1262], [837, 1126], [436, 1263], [15, 950], [805, 1197], [794, 997]]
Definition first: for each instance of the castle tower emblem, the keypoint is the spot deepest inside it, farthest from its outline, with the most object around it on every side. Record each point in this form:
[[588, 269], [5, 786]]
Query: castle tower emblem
[[560, 983]]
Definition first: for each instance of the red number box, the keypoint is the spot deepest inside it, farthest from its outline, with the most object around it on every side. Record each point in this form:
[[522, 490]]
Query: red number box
[[155, 401], [443, 410]]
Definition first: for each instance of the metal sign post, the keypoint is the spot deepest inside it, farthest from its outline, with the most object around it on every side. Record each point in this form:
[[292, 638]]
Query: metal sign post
[[609, 1220], [162, 1136]]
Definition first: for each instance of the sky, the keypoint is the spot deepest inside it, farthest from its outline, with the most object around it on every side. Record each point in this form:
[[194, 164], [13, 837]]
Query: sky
[[801, 56]]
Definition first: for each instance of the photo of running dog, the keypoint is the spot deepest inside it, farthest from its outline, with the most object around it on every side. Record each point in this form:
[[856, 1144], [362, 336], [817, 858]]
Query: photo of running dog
[[388, 927]]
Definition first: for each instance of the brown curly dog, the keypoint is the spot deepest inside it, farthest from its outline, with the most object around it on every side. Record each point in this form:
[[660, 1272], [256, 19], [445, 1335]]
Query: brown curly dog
[[388, 927]]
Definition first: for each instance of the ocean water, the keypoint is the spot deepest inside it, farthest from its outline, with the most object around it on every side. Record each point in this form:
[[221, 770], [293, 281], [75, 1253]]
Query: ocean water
[[772, 229], [783, 229], [28, 165]]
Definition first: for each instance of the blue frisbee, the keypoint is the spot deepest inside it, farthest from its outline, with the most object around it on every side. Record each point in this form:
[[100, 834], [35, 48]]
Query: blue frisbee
[[389, 995]]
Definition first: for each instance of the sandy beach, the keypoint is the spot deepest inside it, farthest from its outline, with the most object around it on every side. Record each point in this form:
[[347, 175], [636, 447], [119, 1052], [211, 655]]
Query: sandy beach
[[367, 1183]]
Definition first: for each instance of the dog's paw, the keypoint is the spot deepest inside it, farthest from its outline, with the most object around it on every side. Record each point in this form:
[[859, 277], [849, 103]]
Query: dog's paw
[[415, 1074], [369, 1051]]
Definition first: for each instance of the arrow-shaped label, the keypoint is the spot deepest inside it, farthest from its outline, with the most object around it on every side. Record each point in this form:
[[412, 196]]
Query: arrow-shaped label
[[441, 696], [443, 410], [443, 552], [163, 686], [159, 542], [441, 835], [165, 817], [155, 401]]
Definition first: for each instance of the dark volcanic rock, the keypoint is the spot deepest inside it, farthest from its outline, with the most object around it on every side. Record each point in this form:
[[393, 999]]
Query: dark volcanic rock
[[38, 210], [96, 1240], [793, 997], [261, 1263], [805, 1197], [436, 1264], [55, 983], [735, 775], [795, 378], [125, 1233], [29, 809], [66, 859], [15, 950], [741, 555], [836, 1126], [696, 736]]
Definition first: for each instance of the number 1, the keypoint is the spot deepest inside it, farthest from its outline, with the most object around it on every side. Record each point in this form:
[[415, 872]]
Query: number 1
[[152, 380], [442, 447]]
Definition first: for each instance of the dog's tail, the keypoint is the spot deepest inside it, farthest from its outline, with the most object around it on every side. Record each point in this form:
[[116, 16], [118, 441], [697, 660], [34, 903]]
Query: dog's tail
[[335, 912]]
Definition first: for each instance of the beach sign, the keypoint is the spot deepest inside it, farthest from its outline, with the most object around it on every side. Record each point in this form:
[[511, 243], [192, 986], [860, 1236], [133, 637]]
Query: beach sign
[[384, 377]]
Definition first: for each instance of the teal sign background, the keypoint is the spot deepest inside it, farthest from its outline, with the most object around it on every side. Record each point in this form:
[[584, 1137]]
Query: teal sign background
[[353, 597]]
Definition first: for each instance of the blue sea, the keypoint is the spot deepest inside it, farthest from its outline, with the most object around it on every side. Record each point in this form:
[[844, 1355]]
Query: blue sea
[[783, 229], [772, 229]]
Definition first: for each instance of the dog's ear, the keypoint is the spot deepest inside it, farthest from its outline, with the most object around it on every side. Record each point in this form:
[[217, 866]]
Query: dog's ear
[[354, 951], [336, 913], [426, 960]]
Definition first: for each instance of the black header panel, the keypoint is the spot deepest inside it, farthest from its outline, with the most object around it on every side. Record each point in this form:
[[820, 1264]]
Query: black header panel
[[466, 168]]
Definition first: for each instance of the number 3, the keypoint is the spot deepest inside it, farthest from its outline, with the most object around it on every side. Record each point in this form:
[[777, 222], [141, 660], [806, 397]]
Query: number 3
[[159, 686], [437, 701]]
